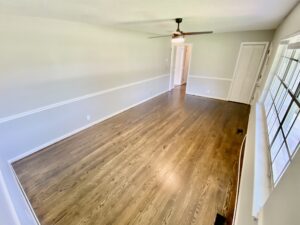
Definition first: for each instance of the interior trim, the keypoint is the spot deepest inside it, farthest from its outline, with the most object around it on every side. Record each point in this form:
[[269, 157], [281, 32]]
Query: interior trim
[[65, 102], [10, 206], [23, 194], [209, 77], [40, 147], [209, 87], [206, 96]]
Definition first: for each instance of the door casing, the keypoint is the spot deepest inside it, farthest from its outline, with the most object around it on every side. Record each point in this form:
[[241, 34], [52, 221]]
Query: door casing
[[173, 62]]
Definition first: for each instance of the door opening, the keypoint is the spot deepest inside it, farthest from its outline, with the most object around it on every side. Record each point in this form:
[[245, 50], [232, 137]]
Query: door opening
[[180, 64]]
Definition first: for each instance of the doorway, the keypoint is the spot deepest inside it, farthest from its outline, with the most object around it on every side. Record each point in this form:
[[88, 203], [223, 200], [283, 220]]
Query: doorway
[[180, 64], [247, 69]]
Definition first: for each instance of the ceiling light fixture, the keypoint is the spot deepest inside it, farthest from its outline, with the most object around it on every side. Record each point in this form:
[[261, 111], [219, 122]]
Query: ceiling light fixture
[[178, 40], [178, 35]]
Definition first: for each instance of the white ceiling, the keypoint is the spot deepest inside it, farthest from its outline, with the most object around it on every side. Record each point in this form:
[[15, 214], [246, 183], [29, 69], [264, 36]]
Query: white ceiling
[[216, 15]]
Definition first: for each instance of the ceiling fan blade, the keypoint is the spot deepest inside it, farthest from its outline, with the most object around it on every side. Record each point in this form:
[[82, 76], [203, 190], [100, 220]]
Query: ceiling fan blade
[[160, 36], [146, 21], [197, 33]]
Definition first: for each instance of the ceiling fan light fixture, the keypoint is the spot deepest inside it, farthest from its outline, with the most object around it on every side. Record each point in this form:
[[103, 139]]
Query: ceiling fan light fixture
[[178, 40], [178, 35]]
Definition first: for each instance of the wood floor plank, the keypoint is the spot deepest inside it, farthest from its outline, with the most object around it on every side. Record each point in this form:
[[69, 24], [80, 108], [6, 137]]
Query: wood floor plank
[[172, 160]]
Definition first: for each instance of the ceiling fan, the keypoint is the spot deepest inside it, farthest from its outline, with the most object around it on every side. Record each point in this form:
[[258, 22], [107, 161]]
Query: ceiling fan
[[178, 35]]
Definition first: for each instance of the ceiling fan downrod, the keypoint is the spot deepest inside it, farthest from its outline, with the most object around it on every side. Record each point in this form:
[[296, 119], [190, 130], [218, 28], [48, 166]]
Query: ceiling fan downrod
[[178, 21]]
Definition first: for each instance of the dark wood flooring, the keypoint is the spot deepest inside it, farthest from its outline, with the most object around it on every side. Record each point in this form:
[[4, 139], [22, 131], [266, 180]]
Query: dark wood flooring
[[172, 161]]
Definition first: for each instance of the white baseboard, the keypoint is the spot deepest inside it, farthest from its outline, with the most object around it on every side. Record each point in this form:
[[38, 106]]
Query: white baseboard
[[53, 141], [24, 195], [7, 209], [206, 96]]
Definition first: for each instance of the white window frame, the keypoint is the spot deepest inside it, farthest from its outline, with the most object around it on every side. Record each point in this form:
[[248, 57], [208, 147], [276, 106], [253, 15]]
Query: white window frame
[[292, 43]]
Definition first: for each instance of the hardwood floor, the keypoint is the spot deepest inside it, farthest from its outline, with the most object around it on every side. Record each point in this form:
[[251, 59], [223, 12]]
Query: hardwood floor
[[172, 160]]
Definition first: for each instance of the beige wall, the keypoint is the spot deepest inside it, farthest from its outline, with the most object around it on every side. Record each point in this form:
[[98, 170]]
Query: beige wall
[[213, 61], [44, 61], [215, 55]]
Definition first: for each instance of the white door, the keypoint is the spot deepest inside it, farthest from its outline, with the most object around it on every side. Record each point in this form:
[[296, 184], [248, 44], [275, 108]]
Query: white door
[[179, 64], [186, 66], [248, 66]]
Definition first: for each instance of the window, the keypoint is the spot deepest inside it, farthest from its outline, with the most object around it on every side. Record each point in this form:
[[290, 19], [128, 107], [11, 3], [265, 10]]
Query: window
[[282, 107]]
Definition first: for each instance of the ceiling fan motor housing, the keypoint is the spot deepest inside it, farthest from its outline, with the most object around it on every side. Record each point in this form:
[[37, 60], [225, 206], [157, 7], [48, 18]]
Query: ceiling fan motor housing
[[178, 20]]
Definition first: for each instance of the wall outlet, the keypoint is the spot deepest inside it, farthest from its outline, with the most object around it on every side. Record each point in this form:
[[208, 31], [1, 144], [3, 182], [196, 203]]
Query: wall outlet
[[88, 117]]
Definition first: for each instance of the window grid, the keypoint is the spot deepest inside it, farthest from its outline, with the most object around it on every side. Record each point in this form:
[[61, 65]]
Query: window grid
[[280, 125], [283, 97]]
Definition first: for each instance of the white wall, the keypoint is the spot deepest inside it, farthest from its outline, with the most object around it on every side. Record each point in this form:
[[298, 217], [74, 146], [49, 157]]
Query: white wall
[[282, 206], [213, 60], [284, 203], [43, 61], [58, 77]]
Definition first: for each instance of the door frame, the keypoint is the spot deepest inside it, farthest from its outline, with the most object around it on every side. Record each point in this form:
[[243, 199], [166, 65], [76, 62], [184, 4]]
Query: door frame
[[190, 59], [171, 80], [173, 61], [234, 78]]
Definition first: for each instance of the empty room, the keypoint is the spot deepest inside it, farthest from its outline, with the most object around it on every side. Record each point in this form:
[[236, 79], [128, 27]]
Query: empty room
[[149, 112]]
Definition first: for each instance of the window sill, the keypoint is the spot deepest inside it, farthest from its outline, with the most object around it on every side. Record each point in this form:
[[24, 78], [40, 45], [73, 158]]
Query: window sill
[[262, 179]]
